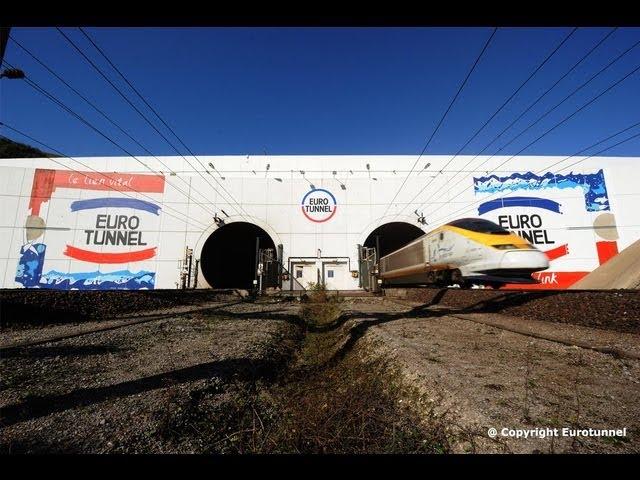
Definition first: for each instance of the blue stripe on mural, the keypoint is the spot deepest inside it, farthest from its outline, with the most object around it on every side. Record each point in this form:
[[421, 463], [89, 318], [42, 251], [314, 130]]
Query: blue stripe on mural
[[592, 185], [115, 202], [518, 202]]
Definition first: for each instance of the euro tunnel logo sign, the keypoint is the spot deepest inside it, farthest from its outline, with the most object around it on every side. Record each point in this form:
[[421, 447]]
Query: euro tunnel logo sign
[[319, 205]]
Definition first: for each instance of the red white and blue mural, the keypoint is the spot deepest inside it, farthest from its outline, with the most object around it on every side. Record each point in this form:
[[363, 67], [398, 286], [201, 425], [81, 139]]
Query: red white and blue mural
[[111, 234], [566, 226]]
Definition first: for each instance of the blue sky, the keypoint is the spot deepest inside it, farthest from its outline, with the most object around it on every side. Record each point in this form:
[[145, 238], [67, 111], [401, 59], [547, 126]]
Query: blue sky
[[324, 90]]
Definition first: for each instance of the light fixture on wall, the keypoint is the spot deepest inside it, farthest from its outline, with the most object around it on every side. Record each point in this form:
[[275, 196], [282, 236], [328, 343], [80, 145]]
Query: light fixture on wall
[[420, 216], [425, 167], [369, 171], [313, 187], [342, 185], [214, 168]]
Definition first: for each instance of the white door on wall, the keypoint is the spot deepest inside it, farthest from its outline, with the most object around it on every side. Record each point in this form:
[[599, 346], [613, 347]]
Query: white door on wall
[[304, 273], [335, 275]]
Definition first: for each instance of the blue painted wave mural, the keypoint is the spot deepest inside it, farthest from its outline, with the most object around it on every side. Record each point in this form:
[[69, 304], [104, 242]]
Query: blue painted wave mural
[[120, 280], [29, 274], [593, 185]]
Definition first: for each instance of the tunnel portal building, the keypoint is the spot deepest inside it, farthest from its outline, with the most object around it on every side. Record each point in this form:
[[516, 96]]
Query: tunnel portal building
[[214, 221]]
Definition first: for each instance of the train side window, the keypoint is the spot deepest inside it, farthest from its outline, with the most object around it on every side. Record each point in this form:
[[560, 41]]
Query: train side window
[[329, 273], [441, 235], [299, 273]]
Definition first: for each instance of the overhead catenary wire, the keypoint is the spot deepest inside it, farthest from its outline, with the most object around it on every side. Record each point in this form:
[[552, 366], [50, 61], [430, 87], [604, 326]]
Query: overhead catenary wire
[[144, 117], [565, 119], [55, 100], [108, 118], [155, 112], [536, 70], [470, 206], [453, 100], [573, 92], [524, 112], [186, 218]]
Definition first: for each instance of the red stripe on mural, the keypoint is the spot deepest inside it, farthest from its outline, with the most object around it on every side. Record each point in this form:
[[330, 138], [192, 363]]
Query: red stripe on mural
[[42, 188], [606, 251], [100, 257], [549, 281], [557, 252], [123, 182], [46, 181]]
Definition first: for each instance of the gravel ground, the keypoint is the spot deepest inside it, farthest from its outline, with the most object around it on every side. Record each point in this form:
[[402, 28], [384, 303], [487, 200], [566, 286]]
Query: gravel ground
[[26, 307], [134, 388], [114, 391], [490, 377], [617, 310]]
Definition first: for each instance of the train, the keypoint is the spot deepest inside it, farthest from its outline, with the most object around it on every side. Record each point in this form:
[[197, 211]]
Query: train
[[464, 252]]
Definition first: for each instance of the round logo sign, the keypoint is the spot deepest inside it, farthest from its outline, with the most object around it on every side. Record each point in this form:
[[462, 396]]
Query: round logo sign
[[319, 205]]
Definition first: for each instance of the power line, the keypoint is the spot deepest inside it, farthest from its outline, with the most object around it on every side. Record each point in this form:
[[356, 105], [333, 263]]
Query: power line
[[553, 108], [155, 112], [137, 92], [144, 100], [486, 45], [470, 205], [101, 112], [97, 69], [544, 94], [48, 147], [55, 100], [576, 90], [503, 105]]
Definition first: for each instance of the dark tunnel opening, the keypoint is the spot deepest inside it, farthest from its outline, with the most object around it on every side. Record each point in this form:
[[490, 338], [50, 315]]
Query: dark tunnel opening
[[393, 236], [228, 258]]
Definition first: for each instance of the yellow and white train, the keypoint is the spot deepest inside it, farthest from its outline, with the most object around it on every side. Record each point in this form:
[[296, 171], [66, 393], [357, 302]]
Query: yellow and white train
[[463, 252]]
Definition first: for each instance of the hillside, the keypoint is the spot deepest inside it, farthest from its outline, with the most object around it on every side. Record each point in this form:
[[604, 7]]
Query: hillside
[[11, 149]]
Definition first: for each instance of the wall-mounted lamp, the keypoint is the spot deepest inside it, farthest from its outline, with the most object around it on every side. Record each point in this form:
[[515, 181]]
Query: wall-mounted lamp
[[420, 216], [214, 168], [342, 185], [313, 187], [218, 220]]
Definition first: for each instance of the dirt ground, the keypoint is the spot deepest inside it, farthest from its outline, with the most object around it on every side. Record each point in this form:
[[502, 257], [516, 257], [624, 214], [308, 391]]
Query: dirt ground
[[180, 383], [495, 378], [114, 391]]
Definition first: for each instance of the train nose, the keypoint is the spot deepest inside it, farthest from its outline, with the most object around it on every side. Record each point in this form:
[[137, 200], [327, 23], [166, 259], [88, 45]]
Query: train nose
[[525, 259]]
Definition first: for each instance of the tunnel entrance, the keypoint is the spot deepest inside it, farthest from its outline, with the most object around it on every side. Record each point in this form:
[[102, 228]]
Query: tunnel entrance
[[392, 236], [228, 258]]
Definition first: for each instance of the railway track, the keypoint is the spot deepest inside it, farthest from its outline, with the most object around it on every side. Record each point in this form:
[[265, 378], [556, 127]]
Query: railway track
[[113, 324]]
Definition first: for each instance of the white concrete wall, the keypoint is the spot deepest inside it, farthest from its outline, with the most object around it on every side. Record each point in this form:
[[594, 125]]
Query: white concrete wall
[[276, 207]]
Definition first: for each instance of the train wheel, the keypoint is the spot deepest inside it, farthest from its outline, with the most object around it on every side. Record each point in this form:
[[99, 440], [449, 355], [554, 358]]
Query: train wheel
[[458, 279]]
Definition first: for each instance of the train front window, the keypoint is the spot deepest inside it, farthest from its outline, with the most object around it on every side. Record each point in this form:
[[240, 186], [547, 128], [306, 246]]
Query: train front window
[[479, 225]]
